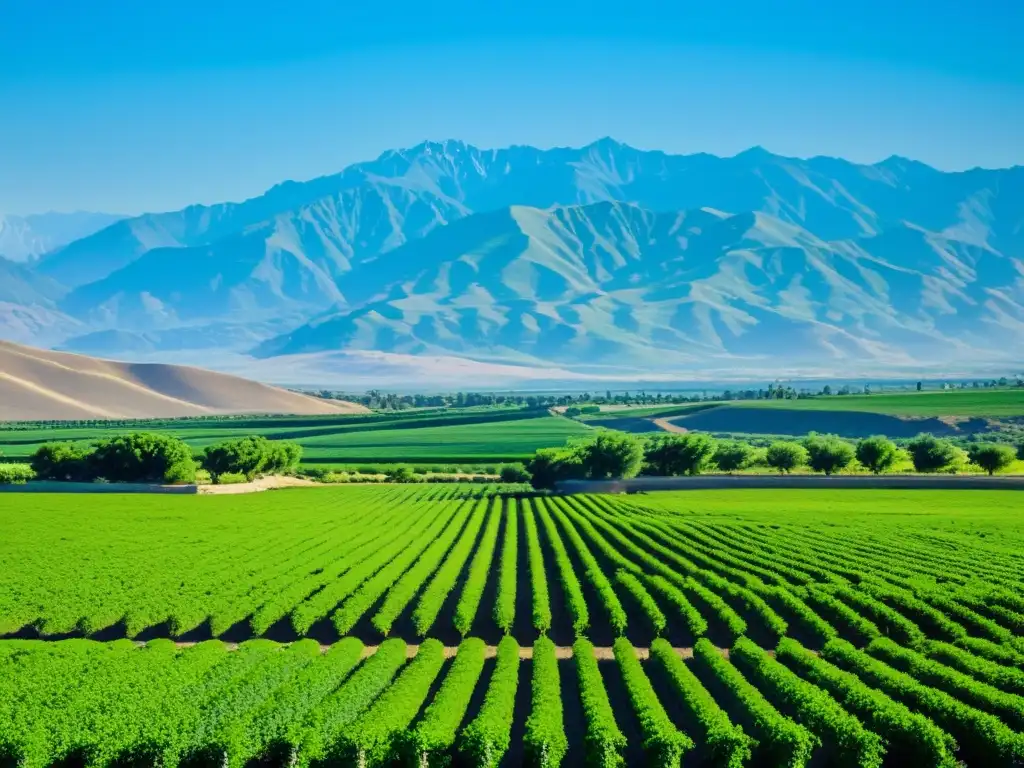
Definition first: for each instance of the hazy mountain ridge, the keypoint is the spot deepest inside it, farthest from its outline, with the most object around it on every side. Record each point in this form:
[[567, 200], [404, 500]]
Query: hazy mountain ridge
[[23, 238], [613, 284], [599, 255]]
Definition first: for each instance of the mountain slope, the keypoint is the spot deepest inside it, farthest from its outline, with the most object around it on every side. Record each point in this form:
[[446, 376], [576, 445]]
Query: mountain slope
[[25, 237], [616, 285], [41, 385], [605, 254]]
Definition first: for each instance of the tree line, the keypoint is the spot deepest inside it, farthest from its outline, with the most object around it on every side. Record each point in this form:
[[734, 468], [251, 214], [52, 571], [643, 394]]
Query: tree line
[[152, 457], [621, 455]]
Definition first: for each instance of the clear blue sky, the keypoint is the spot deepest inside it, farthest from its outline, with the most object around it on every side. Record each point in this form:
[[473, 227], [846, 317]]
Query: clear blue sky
[[127, 106]]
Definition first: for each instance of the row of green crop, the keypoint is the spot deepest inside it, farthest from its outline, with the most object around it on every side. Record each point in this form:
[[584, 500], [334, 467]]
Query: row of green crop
[[111, 703]]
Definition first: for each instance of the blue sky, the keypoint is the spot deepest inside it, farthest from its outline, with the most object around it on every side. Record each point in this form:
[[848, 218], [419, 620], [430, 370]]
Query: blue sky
[[125, 106]]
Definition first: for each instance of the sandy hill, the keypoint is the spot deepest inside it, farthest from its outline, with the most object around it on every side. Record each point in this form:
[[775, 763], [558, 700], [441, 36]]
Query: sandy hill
[[40, 384]]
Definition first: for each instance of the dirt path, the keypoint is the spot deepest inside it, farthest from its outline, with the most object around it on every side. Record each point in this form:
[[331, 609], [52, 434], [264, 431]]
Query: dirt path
[[260, 484], [668, 426]]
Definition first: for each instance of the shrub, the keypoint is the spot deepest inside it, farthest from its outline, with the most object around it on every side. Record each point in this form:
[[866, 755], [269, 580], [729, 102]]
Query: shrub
[[827, 453], [611, 454], [992, 457], [251, 456], [930, 454], [143, 457], [877, 453], [400, 474], [785, 456], [16, 474], [549, 465], [678, 454], [514, 473], [733, 455], [231, 478], [62, 461]]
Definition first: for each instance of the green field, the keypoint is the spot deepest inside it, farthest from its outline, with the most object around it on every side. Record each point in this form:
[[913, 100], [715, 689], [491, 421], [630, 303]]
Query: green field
[[992, 404], [468, 435], [896, 618]]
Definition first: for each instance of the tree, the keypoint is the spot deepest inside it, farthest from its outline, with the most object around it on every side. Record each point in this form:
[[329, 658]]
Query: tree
[[550, 465], [1020, 451], [514, 473], [400, 474], [733, 455], [785, 456], [678, 454], [827, 453], [143, 457], [992, 457], [877, 453], [611, 454], [61, 461], [251, 456], [930, 454]]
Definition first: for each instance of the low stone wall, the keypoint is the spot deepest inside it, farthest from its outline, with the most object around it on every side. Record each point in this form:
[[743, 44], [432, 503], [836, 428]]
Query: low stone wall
[[821, 482]]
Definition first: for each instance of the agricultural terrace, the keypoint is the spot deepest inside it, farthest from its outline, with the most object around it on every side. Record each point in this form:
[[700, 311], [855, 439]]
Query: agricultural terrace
[[357, 625]]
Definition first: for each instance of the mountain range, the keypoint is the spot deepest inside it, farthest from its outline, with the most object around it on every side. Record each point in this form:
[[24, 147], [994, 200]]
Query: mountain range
[[23, 238], [601, 258]]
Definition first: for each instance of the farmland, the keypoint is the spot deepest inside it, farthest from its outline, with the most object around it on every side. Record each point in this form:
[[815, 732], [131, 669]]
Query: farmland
[[956, 413], [353, 625], [468, 435]]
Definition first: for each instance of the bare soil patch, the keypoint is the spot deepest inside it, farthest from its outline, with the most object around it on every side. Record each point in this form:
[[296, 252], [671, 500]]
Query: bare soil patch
[[271, 483]]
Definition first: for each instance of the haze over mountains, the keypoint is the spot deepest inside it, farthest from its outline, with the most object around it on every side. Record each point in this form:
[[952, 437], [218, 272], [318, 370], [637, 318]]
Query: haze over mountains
[[23, 238], [602, 258]]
